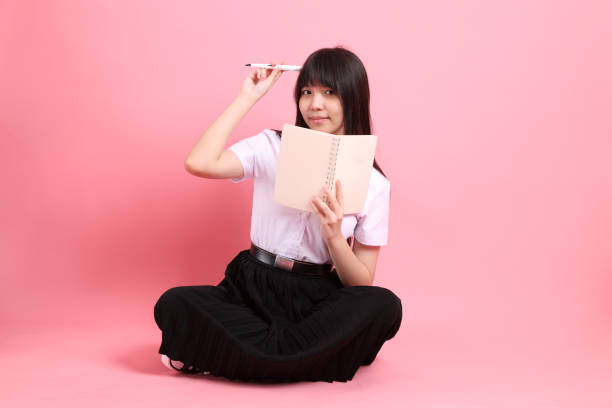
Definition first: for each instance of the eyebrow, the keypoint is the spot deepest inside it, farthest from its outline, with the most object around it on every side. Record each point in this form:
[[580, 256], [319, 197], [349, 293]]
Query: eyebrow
[[312, 86]]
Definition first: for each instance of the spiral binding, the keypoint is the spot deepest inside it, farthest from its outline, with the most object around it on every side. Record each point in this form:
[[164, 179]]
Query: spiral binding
[[331, 167]]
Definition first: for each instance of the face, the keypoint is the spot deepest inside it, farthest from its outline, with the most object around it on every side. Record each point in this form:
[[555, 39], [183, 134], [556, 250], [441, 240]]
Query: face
[[317, 101]]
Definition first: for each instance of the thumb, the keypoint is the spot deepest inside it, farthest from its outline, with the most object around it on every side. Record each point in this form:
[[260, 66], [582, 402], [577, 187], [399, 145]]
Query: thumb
[[276, 73]]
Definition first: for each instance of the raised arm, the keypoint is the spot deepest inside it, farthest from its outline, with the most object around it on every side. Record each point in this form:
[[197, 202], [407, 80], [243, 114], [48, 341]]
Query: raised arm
[[208, 158]]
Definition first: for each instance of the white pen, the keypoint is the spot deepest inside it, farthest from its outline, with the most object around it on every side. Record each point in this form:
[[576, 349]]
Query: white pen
[[270, 66]]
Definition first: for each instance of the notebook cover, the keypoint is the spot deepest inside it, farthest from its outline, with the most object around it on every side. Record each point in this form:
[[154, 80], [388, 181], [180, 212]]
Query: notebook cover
[[304, 161]]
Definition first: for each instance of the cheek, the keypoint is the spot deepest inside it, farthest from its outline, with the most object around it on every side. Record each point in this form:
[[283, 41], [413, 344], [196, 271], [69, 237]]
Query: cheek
[[338, 110]]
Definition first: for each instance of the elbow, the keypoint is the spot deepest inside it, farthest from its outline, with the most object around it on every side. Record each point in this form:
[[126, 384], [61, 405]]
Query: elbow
[[192, 168], [362, 282], [370, 280], [188, 166], [364, 278]]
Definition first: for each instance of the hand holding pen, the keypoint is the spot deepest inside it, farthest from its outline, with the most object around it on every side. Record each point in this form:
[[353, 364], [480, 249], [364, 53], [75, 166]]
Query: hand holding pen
[[272, 66], [260, 81]]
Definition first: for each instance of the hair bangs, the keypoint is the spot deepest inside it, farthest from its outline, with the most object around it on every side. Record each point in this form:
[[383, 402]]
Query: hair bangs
[[320, 70]]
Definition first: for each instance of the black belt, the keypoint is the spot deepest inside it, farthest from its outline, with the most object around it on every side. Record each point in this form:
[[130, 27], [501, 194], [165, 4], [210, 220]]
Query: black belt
[[288, 263]]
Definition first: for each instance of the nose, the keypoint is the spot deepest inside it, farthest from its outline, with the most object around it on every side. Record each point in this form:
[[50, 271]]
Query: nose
[[316, 102]]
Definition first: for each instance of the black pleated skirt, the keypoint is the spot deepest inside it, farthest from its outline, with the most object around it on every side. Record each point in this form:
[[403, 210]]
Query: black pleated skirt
[[265, 324]]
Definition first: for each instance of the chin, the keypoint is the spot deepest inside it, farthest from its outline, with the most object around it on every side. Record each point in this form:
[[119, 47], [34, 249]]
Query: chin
[[322, 126]]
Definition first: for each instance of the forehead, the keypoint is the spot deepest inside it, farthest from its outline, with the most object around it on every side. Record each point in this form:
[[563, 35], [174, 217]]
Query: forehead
[[315, 85]]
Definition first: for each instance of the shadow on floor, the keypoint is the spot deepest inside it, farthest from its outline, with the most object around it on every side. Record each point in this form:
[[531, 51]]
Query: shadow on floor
[[145, 359]]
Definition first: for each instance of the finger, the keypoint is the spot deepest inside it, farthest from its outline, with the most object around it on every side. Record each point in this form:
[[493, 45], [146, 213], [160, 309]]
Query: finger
[[315, 205], [330, 198], [339, 194], [280, 71], [277, 68], [324, 208], [318, 203], [276, 72], [334, 205], [269, 70]]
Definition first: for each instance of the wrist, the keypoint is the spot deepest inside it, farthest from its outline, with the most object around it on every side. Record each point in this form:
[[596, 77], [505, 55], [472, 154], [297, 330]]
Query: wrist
[[247, 100], [337, 241]]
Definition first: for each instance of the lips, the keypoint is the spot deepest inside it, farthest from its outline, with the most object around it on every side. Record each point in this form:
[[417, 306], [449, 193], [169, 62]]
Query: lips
[[318, 118]]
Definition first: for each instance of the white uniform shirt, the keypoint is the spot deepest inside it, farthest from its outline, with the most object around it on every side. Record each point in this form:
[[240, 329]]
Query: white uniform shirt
[[294, 233]]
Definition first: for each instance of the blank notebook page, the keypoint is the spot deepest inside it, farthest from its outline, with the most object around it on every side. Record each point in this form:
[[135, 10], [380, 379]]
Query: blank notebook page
[[302, 169], [306, 160]]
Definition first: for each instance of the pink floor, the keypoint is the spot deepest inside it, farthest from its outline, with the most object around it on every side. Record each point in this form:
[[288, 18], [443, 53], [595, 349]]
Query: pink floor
[[112, 361]]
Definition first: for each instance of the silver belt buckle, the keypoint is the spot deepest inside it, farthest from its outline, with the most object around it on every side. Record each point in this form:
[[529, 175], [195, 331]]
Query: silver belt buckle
[[284, 263]]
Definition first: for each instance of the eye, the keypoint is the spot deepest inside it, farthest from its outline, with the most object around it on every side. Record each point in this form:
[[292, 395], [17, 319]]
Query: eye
[[329, 90]]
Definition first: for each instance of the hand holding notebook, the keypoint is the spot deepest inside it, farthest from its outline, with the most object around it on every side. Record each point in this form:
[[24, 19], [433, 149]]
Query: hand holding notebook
[[310, 159]]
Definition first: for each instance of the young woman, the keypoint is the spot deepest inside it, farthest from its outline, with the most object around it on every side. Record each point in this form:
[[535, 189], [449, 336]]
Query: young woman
[[299, 305]]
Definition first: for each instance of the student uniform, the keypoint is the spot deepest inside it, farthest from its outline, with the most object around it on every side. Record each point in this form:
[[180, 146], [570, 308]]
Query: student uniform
[[263, 322]]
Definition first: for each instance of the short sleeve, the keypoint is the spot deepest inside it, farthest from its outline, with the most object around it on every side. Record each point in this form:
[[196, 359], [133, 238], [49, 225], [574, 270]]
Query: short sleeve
[[373, 225], [248, 150]]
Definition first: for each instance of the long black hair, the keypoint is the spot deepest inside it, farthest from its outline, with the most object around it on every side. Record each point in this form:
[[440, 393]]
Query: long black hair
[[342, 71]]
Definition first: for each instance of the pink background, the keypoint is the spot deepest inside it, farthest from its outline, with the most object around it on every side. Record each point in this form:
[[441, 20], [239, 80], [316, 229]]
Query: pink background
[[494, 129]]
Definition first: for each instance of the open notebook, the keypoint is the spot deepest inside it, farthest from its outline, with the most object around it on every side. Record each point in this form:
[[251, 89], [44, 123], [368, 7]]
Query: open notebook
[[310, 159]]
